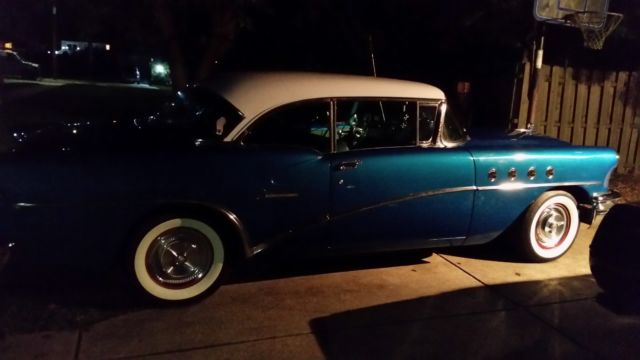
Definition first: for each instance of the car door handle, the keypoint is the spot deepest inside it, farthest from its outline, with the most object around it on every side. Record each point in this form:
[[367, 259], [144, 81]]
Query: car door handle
[[349, 165]]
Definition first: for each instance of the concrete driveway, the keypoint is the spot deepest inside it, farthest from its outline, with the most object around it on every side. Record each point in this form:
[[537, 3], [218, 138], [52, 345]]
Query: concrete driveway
[[457, 303]]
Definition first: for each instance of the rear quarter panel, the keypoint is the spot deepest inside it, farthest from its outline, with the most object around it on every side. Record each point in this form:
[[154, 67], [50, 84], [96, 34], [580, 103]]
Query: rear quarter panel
[[499, 203]]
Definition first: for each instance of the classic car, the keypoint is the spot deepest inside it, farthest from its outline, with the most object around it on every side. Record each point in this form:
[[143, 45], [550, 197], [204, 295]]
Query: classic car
[[12, 65], [249, 162], [613, 252]]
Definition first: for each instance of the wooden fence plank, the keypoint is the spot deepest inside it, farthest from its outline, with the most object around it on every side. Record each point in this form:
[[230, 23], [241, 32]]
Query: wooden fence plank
[[588, 108], [606, 108], [568, 104], [524, 97], [543, 96], [633, 145], [627, 123], [555, 100], [593, 108], [636, 165], [634, 153], [622, 83], [582, 96]]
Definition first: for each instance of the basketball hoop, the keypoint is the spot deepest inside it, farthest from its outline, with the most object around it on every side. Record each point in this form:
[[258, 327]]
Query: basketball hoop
[[595, 26]]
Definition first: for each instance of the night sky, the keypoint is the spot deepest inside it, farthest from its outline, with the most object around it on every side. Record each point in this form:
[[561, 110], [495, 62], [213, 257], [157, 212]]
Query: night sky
[[440, 42]]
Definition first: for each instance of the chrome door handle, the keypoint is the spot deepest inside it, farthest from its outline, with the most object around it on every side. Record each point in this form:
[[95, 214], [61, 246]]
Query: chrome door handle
[[349, 165]]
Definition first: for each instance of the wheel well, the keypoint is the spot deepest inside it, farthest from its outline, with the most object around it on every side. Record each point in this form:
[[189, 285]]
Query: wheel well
[[580, 194], [223, 221]]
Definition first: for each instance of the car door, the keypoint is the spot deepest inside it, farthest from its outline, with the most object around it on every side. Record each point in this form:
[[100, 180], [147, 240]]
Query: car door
[[391, 187], [287, 149]]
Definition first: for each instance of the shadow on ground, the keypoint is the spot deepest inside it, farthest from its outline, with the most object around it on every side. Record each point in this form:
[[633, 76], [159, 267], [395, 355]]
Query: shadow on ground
[[34, 299], [284, 265], [452, 325], [51, 299]]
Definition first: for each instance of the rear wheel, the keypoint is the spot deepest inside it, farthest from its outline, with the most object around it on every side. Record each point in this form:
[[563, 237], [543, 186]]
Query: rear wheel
[[178, 258], [549, 227]]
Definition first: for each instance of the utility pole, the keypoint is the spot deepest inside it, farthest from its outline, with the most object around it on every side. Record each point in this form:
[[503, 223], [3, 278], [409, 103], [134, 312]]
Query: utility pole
[[538, 54], [54, 39]]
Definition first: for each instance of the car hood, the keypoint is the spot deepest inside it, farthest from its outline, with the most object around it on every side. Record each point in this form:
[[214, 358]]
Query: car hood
[[89, 136]]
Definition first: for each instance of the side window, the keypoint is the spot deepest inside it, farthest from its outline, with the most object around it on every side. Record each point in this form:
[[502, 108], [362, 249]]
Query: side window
[[363, 124], [427, 122], [303, 124]]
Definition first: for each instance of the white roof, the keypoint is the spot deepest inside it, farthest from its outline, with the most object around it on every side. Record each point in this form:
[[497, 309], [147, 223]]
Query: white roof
[[255, 93]]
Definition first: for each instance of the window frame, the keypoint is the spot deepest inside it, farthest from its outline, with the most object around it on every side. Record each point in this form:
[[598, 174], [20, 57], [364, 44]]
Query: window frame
[[435, 141], [245, 131]]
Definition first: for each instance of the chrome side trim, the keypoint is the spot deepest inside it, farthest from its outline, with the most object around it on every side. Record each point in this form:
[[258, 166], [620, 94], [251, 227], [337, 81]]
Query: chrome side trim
[[242, 232], [23, 205], [519, 186], [406, 198], [280, 195]]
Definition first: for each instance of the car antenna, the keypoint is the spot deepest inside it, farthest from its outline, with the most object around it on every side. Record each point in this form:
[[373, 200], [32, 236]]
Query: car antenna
[[373, 58], [375, 73]]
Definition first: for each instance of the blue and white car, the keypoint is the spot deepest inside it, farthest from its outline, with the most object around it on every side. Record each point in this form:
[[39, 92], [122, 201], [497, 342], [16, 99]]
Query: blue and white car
[[335, 163]]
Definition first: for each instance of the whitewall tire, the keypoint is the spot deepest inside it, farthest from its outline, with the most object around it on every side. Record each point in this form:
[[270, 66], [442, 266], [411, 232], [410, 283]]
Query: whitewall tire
[[550, 226], [178, 259]]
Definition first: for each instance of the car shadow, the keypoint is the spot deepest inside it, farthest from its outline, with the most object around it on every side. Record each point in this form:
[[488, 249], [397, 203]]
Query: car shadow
[[37, 298], [57, 298], [496, 250], [280, 265], [473, 323]]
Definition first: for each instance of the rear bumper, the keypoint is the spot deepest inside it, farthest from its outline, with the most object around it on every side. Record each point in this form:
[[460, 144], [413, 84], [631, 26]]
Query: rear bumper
[[600, 205], [603, 202]]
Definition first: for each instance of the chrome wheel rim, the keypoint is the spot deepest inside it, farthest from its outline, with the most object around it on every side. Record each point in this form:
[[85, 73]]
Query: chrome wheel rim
[[553, 226], [179, 257]]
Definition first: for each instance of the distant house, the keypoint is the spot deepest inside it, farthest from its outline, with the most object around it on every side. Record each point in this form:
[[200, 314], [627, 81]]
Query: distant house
[[70, 47]]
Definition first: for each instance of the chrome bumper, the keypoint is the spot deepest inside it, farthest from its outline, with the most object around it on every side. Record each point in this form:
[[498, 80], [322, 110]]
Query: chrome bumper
[[603, 202]]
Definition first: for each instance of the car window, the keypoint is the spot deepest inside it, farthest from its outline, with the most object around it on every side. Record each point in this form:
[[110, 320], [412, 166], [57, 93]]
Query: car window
[[365, 124], [427, 122], [452, 131], [304, 124]]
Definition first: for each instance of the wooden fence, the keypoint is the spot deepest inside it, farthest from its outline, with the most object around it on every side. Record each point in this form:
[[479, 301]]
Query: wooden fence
[[587, 107]]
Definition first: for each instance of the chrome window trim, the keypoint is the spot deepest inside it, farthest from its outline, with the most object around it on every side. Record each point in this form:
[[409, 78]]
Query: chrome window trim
[[243, 126]]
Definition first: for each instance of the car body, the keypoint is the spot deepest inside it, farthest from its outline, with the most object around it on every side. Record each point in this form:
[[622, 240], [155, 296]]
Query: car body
[[12, 65], [335, 163], [613, 251]]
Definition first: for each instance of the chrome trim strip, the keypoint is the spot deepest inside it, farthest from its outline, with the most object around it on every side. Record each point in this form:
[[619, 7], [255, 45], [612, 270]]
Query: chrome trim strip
[[280, 195], [23, 205], [518, 186], [242, 232], [406, 198]]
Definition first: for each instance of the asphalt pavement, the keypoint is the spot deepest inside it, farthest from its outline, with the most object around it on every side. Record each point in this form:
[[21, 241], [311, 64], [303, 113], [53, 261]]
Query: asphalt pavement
[[465, 303]]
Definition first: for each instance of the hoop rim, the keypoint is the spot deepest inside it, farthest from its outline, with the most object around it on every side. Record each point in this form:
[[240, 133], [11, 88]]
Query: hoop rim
[[572, 19]]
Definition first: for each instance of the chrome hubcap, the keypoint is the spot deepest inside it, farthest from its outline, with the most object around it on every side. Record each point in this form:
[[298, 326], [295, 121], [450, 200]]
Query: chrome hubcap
[[553, 226], [179, 257]]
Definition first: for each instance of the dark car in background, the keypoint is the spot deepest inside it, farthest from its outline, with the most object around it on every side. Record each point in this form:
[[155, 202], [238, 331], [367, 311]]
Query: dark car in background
[[614, 252], [12, 65]]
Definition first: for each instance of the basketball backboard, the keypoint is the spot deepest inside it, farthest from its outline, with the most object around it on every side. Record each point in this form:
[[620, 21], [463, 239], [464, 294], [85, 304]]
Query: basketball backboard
[[555, 11]]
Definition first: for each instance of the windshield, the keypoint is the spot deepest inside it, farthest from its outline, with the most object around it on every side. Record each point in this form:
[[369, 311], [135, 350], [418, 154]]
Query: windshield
[[197, 111]]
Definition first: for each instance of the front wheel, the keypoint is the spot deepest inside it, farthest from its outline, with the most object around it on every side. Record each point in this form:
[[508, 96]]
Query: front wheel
[[549, 227], [178, 259]]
